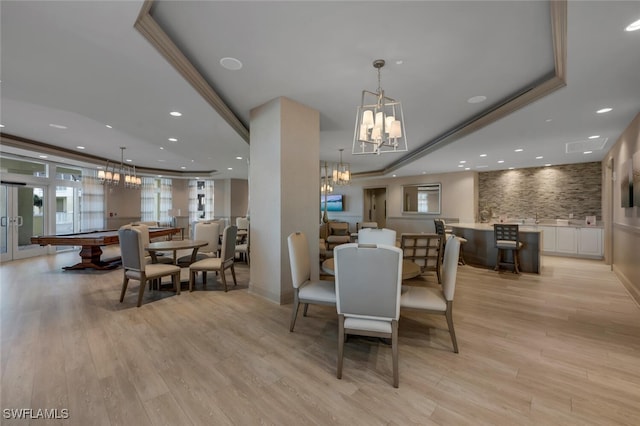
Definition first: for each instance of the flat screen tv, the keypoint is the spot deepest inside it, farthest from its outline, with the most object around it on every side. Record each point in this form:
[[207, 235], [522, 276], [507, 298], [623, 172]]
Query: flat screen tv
[[334, 203]]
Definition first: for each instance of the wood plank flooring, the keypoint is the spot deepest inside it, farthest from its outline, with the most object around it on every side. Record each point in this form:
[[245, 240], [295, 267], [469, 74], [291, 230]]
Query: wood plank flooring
[[560, 348]]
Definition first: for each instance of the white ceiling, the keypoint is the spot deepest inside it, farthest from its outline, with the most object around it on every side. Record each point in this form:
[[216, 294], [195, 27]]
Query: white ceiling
[[84, 65]]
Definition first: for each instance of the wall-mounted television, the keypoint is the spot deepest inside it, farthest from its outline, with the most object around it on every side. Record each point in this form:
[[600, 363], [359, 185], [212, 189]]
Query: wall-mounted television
[[335, 203]]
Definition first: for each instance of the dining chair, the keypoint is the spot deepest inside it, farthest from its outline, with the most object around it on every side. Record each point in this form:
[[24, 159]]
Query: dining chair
[[217, 264], [242, 249], [144, 233], [507, 239], [425, 250], [377, 236], [306, 290], [135, 265], [368, 283], [363, 225], [441, 229], [437, 300], [206, 231]]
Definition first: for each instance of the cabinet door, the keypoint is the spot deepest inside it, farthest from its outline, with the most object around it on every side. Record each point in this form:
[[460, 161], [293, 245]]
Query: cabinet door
[[590, 241], [566, 240], [548, 238]]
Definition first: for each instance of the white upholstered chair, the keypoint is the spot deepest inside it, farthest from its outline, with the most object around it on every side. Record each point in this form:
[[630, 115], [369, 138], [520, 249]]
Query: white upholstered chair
[[242, 223], [242, 249], [377, 236], [135, 265], [368, 283], [217, 264], [305, 290], [152, 257], [363, 225], [206, 231], [437, 300]]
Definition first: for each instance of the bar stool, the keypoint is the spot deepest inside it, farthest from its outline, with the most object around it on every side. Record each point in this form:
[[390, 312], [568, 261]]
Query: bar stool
[[441, 230], [506, 237]]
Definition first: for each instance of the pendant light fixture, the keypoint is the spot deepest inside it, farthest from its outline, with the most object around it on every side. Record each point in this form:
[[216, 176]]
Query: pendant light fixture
[[111, 174], [341, 172], [379, 123]]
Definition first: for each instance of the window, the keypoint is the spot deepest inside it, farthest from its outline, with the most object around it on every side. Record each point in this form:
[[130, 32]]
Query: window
[[156, 199]]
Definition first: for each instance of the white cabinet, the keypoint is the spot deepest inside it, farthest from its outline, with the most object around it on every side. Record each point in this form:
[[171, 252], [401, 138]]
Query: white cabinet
[[566, 240], [590, 242], [548, 238]]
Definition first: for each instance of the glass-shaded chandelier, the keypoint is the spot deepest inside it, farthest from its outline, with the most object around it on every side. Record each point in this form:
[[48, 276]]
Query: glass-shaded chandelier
[[111, 173], [341, 172], [379, 122]]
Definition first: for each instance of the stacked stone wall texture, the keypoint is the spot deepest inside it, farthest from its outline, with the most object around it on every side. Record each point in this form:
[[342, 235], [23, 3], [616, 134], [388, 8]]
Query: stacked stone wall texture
[[552, 192]]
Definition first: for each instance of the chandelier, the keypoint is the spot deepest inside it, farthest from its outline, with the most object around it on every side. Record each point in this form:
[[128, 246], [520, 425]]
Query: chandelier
[[340, 173], [379, 123], [111, 174]]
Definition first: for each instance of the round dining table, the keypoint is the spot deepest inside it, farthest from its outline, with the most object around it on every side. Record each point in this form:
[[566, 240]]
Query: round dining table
[[174, 246], [409, 269]]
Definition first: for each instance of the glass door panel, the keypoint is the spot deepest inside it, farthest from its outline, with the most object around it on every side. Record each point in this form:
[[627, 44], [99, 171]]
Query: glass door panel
[[25, 217]]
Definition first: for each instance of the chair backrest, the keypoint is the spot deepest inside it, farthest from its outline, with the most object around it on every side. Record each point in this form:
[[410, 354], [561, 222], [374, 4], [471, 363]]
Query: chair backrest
[[505, 232], [423, 249], [377, 236], [339, 228], [450, 267], [209, 232], [144, 231], [363, 225], [229, 235], [439, 224], [368, 280], [299, 258], [242, 223], [132, 250], [150, 223]]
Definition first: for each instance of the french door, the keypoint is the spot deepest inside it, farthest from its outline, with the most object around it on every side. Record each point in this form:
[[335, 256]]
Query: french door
[[22, 215]]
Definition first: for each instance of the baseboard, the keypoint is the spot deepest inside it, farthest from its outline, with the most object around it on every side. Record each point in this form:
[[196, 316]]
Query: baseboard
[[631, 289]]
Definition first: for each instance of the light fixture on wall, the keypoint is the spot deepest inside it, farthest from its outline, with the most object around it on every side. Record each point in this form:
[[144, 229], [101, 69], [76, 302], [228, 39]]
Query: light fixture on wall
[[341, 172], [112, 173], [379, 122]]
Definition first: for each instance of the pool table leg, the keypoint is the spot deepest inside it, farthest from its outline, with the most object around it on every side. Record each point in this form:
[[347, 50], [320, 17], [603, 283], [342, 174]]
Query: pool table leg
[[91, 260]]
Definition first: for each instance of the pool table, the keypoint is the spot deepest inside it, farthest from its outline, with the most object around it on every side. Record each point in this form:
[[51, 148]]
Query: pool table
[[91, 242]]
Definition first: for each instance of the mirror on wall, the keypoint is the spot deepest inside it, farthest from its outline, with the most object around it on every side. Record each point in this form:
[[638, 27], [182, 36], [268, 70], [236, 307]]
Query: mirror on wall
[[421, 198]]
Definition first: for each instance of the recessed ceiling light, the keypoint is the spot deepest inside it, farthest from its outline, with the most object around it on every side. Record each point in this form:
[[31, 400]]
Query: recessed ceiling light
[[588, 152], [511, 168], [476, 99], [173, 139], [424, 173], [232, 64], [500, 161], [399, 62], [161, 161], [57, 126], [518, 150], [547, 165], [183, 167], [128, 160], [483, 155], [159, 175], [467, 168], [393, 175], [108, 126], [539, 157], [42, 156], [481, 167], [80, 147], [603, 110], [460, 165], [549, 120], [175, 113], [463, 161], [238, 158], [594, 137], [162, 147], [1, 125], [229, 168], [634, 26]]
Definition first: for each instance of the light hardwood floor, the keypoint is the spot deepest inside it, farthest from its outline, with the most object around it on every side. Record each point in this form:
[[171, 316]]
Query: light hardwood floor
[[560, 348]]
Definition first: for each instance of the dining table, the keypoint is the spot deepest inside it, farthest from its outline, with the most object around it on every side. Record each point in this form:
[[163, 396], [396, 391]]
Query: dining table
[[173, 246], [409, 269]]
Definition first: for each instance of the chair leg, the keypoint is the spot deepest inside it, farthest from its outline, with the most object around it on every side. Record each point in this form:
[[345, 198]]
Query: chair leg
[[294, 314], [125, 281], [224, 279], [176, 282], [233, 273], [306, 308], [204, 279], [394, 352], [498, 259], [452, 332], [340, 345], [143, 284], [192, 278], [461, 257], [516, 261]]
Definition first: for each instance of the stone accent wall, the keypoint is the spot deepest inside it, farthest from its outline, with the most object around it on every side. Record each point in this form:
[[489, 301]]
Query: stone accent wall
[[550, 192]]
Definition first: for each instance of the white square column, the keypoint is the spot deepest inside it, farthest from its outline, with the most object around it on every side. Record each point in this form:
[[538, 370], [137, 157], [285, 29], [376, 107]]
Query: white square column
[[284, 192]]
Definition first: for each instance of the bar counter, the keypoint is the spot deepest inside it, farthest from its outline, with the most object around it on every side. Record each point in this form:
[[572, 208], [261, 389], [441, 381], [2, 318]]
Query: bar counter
[[480, 247]]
